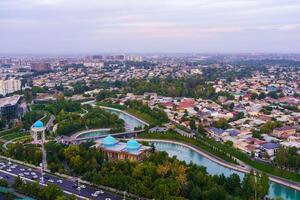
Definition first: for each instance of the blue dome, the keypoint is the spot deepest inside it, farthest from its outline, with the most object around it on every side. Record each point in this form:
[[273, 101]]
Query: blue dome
[[109, 141], [38, 124], [132, 145]]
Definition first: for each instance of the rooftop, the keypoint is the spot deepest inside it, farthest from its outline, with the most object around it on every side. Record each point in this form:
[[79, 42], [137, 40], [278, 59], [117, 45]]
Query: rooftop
[[13, 100]]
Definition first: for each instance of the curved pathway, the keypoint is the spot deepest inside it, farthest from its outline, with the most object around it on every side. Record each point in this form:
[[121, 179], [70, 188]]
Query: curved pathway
[[245, 169]]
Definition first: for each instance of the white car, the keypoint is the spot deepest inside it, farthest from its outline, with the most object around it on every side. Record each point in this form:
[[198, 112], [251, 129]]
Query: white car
[[29, 169], [14, 166], [1, 177], [35, 177], [82, 186], [33, 173], [59, 181], [21, 174], [51, 181], [26, 173], [107, 198], [95, 194], [22, 169]]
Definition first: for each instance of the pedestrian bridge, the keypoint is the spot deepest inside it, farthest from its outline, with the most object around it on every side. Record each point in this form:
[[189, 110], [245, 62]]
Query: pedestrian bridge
[[126, 134]]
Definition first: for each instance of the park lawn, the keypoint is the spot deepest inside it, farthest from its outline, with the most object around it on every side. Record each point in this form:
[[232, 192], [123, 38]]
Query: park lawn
[[13, 136], [143, 116]]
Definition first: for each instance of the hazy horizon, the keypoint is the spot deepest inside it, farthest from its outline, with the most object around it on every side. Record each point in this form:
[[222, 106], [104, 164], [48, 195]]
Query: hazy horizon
[[168, 26]]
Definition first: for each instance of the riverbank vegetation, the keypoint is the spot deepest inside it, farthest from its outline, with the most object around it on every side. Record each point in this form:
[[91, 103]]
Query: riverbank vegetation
[[71, 117], [153, 116], [228, 153], [159, 176]]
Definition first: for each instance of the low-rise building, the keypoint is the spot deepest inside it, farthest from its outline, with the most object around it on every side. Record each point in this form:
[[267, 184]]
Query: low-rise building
[[115, 150]]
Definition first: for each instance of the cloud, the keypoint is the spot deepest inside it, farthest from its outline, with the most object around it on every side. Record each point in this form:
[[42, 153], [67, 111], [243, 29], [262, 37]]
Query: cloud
[[87, 23]]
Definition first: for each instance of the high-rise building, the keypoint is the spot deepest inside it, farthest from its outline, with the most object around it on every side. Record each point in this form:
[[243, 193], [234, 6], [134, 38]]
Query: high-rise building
[[9, 86], [40, 67]]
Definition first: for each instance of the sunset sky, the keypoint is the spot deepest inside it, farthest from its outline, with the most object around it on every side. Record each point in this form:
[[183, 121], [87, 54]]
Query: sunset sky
[[149, 26]]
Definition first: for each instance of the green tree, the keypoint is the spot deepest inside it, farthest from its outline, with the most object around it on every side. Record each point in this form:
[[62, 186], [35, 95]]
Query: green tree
[[193, 124], [51, 192]]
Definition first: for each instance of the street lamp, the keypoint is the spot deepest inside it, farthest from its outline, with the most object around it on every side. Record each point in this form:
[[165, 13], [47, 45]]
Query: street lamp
[[124, 195]]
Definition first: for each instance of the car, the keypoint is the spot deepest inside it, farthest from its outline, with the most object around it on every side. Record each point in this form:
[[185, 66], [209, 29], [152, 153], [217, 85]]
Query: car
[[33, 173], [1, 177], [21, 174], [83, 186], [107, 198], [22, 169], [26, 173], [59, 181], [29, 169], [51, 181], [14, 166], [9, 169], [78, 188], [6, 176], [35, 177], [95, 194], [74, 186]]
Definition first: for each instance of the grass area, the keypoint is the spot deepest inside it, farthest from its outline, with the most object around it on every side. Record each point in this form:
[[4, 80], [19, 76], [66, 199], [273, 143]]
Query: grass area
[[143, 116], [112, 105], [183, 128], [224, 151], [9, 131], [13, 136]]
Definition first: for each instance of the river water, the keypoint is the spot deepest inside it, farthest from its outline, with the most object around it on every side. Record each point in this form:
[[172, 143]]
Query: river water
[[189, 155]]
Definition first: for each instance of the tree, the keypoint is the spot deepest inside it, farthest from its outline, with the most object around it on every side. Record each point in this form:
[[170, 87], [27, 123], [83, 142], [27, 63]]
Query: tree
[[281, 158], [28, 96], [201, 129], [3, 183], [222, 123], [263, 186], [193, 124], [215, 193], [51, 192], [262, 95]]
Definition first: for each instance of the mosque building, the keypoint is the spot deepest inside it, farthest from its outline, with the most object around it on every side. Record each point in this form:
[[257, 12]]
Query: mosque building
[[131, 150]]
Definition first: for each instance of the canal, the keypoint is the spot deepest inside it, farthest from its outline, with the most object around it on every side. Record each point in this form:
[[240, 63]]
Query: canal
[[189, 155]]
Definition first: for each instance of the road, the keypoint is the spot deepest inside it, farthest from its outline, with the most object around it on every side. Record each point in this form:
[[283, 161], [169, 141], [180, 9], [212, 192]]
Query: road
[[9, 172]]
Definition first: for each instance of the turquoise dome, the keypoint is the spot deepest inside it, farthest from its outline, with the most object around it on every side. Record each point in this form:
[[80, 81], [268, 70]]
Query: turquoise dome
[[132, 145], [38, 124], [109, 141]]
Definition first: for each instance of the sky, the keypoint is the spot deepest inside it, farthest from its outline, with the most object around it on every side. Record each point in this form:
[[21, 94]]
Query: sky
[[149, 26]]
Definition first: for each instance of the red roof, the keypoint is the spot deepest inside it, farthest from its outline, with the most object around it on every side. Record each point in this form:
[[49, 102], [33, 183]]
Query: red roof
[[187, 103]]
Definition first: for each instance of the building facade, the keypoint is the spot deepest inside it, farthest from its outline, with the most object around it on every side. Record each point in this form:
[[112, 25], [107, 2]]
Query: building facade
[[116, 150], [9, 86]]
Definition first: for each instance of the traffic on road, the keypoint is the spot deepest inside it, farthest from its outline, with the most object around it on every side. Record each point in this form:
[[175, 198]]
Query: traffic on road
[[9, 171]]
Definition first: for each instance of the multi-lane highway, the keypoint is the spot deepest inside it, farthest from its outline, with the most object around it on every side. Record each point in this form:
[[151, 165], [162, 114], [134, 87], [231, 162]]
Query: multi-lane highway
[[9, 171]]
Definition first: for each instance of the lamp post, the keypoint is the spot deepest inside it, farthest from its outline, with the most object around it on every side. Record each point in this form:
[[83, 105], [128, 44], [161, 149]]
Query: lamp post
[[124, 195], [42, 173]]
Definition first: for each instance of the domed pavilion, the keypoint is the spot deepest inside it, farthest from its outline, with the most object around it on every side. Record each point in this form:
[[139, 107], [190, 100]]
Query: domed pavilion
[[117, 150]]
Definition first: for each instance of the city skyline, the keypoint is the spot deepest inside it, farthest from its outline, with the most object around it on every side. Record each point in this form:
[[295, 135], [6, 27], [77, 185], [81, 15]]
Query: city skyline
[[218, 26]]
